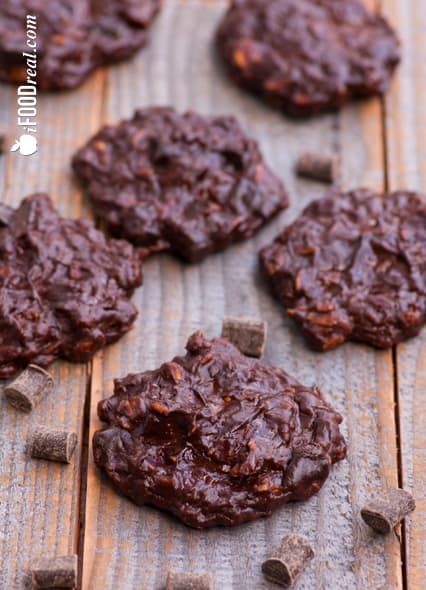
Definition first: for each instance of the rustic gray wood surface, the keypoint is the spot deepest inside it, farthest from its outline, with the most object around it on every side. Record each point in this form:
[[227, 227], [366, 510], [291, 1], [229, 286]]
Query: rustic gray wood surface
[[121, 546], [40, 500]]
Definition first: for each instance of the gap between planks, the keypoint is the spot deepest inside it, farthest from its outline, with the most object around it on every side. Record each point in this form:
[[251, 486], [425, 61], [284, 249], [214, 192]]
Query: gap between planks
[[84, 462], [400, 465], [397, 417], [103, 78]]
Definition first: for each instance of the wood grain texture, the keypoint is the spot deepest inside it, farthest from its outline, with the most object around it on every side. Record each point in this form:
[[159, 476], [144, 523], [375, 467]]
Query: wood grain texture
[[39, 500], [406, 154], [128, 547]]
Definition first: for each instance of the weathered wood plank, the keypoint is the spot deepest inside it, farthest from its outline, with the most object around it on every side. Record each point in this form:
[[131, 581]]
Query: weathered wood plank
[[129, 547], [39, 500], [406, 153]]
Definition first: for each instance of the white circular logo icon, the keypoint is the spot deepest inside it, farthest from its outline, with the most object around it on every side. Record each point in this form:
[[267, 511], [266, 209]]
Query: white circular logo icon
[[26, 144]]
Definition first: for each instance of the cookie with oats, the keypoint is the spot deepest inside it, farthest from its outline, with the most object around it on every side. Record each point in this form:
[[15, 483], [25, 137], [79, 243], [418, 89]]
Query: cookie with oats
[[73, 37], [64, 288], [353, 267], [216, 437], [307, 56], [184, 183]]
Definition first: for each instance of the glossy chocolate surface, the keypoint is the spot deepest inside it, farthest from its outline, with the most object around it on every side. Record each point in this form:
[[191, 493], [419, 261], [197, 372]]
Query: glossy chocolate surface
[[307, 56], [64, 288], [74, 37], [215, 437], [183, 183], [353, 267]]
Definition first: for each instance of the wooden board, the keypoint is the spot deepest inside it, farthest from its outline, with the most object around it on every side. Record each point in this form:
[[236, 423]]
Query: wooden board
[[121, 546], [40, 500], [406, 155]]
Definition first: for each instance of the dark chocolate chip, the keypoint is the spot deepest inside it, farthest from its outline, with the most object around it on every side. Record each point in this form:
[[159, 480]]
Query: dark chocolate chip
[[248, 335], [6, 213], [323, 168], [55, 445], [29, 388], [288, 560], [386, 510], [189, 581], [55, 572]]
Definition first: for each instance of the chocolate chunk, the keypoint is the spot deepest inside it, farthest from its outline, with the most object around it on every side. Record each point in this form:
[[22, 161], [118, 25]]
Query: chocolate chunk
[[55, 572], [307, 56], [216, 437], [29, 388], [386, 510], [183, 183], [2, 143], [64, 288], [318, 167], [248, 335], [189, 581], [55, 445], [74, 37], [288, 560], [353, 267], [6, 213]]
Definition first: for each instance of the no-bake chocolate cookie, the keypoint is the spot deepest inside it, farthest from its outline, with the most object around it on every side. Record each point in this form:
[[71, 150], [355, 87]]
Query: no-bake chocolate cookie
[[353, 267], [185, 183], [215, 437], [64, 288], [73, 37], [307, 56]]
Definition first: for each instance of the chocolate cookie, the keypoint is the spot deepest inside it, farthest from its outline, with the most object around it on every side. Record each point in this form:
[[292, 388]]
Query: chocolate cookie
[[179, 182], [215, 437], [353, 267], [307, 56], [64, 288], [73, 37]]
